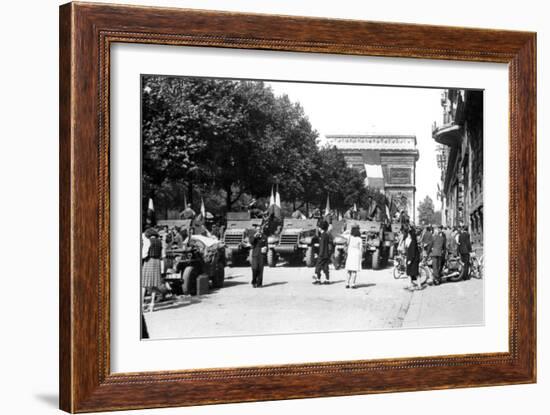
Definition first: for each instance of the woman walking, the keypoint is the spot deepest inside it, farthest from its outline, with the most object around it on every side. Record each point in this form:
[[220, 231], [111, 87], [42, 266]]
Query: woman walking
[[151, 272], [354, 256], [413, 259]]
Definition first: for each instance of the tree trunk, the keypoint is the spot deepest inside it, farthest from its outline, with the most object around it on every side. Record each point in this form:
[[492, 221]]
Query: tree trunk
[[228, 202], [190, 195]]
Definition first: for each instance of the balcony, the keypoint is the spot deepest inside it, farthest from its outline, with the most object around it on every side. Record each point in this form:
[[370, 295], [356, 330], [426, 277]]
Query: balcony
[[447, 134]]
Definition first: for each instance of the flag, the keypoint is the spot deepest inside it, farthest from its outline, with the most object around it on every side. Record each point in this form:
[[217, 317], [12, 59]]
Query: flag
[[327, 208], [272, 197], [374, 176], [355, 207], [278, 198], [392, 206], [151, 220], [203, 209]]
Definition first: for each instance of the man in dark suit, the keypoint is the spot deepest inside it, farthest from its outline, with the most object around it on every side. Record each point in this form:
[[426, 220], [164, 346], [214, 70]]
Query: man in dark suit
[[257, 241], [426, 240], [325, 251], [438, 248], [464, 250]]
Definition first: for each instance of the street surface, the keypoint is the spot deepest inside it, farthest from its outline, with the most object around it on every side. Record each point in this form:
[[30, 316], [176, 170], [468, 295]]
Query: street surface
[[289, 303]]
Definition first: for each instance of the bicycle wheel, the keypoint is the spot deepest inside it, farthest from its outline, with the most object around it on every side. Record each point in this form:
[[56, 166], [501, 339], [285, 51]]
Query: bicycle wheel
[[424, 274], [396, 273], [475, 270]]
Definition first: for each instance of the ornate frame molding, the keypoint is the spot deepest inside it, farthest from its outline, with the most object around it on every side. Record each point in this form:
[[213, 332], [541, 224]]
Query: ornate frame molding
[[86, 33]]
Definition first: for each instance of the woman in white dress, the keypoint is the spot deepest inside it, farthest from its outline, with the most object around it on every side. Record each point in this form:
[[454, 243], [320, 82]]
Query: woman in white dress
[[354, 256]]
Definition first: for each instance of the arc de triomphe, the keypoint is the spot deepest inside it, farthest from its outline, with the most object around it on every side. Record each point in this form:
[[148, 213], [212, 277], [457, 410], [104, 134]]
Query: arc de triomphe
[[390, 157]]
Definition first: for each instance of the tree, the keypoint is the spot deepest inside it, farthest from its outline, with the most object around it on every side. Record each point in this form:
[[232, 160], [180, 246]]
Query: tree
[[233, 136], [232, 141], [426, 211]]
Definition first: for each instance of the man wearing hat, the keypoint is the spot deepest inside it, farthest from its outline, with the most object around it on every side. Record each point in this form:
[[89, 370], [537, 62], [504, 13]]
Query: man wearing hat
[[325, 251], [258, 242]]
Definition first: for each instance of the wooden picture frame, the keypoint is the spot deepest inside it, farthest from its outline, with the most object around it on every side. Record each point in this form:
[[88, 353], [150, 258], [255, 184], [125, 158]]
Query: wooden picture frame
[[86, 33]]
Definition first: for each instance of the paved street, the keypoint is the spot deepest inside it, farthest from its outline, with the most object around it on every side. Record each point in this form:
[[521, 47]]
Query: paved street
[[289, 303]]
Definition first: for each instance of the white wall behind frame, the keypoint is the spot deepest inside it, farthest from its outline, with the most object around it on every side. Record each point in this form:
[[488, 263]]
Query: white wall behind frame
[[28, 167]]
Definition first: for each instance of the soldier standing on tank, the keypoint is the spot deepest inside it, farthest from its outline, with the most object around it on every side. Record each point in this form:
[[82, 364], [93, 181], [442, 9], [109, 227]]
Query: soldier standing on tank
[[297, 214], [373, 209]]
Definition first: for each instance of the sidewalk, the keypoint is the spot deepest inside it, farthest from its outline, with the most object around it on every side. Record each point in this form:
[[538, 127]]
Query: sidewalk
[[436, 306]]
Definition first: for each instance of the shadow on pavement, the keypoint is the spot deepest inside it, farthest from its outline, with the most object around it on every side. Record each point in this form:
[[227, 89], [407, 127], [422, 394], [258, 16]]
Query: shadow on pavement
[[293, 265], [230, 283], [365, 285], [272, 284], [336, 282], [227, 284], [171, 305]]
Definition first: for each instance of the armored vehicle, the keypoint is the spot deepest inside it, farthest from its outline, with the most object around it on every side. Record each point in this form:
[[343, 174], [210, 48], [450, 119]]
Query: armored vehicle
[[235, 238], [297, 241], [200, 255], [374, 247]]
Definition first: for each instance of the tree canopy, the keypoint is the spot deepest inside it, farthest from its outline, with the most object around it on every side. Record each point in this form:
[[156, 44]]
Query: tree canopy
[[426, 212], [231, 141]]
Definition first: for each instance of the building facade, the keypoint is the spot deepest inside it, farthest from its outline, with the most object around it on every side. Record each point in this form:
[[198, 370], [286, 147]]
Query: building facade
[[460, 159], [388, 162]]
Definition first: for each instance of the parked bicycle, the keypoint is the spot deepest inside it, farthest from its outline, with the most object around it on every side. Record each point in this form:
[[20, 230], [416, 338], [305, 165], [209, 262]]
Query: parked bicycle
[[400, 269], [476, 266]]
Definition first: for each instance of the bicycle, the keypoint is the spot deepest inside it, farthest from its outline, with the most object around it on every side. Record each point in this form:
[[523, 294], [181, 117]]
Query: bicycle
[[425, 269], [476, 266], [400, 269]]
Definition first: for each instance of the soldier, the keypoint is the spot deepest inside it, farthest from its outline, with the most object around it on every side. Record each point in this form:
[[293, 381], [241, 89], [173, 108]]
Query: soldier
[[255, 209], [258, 242], [297, 214], [216, 232], [316, 214], [179, 237], [325, 252], [363, 214], [187, 213], [372, 208], [349, 214]]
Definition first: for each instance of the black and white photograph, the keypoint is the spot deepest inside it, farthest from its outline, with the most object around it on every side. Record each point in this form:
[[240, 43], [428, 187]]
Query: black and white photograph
[[276, 206], [280, 207]]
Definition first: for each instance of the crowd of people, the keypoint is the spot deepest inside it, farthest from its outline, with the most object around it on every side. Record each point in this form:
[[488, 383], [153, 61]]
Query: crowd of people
[[414, 243], [438, 243]]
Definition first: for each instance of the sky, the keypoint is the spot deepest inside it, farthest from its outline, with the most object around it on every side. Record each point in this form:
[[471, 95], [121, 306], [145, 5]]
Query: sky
[[363, 109]]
